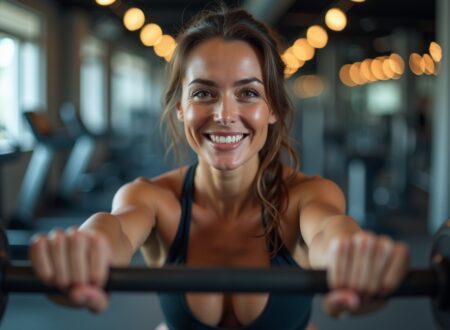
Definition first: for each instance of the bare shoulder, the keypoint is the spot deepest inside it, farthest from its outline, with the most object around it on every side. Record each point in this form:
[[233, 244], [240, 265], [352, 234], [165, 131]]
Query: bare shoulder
[[158, 189], [306, 188]]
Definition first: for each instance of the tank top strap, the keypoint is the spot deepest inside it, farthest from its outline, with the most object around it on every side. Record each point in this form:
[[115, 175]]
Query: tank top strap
[[283, 257], [178, 250]]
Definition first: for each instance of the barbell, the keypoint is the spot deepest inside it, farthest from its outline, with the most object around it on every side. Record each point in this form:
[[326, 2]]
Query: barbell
[[433, 282]]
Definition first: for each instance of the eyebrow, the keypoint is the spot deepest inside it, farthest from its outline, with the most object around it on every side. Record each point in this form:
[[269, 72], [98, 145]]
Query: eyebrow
[[214, 84]]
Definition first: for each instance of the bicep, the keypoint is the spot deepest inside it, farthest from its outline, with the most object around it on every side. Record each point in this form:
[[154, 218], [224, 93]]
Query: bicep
[[134, 206], [324, 200]]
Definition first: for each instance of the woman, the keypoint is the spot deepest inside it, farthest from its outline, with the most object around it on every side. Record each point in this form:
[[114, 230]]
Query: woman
[[238, 207]]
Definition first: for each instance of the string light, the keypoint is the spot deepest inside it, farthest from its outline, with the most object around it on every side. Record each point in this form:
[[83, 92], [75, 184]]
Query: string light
[[335, 19], [151, 34], [303, 50], [105, 2], [134, 19], [344, 75], [416, 64], [317, 36], [435, 51], [165, 46], [430, 67]]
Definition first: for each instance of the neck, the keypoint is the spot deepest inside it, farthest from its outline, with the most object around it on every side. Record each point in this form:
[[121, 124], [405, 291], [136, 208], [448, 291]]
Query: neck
[[227, 193]]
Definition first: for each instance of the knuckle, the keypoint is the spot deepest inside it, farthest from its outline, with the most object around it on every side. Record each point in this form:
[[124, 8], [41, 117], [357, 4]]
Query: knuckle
[[76, 238], [38, 242]]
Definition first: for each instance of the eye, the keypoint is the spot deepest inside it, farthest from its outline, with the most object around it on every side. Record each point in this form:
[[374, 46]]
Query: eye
[[248, 93], [201, 94]]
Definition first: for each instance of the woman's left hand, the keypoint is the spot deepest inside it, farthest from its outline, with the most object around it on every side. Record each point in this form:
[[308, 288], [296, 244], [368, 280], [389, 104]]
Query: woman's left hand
[[362, 269]]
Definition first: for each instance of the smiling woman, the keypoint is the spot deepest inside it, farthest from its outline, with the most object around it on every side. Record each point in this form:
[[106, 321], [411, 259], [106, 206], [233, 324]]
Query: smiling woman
[[239, 205]]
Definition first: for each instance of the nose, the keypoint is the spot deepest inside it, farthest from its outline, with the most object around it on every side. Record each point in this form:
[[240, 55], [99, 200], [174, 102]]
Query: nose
[[225, 112]]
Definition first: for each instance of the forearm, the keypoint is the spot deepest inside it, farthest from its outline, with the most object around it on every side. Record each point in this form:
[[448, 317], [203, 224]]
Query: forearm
[[335, 227], [109, 225]]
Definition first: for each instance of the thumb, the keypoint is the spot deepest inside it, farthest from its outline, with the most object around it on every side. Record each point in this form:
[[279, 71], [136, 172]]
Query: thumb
[[340, 301], [91, 297]]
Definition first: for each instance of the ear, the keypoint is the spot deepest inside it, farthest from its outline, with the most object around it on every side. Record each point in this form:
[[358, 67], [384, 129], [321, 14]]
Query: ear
[[272, 118], [179, 112]]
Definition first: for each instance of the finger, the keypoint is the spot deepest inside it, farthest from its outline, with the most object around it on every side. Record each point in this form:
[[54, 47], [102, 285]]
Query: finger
[[396, 269], [98, 302], [340, 259], [358, 262], [340, 301], [100, 257], [383, 251], [78, 256], [367, 257], [40, 259], [89, 296], [59, 258], [333, 251]]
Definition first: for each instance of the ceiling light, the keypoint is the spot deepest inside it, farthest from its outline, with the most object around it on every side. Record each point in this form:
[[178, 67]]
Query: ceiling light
[[151, 34], [134, 19], [317, 36], [335, 19]]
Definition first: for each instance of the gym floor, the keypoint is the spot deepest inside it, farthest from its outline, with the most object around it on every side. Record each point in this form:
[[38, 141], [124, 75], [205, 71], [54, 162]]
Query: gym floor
[[141, 311]]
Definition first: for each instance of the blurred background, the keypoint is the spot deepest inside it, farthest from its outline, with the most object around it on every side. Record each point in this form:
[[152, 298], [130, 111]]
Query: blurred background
[[80, 99]]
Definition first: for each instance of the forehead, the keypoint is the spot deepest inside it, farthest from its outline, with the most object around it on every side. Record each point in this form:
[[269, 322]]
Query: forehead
[[220, 59]]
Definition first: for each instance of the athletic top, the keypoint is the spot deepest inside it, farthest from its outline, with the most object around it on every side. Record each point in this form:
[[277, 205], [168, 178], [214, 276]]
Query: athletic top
[[282, 311]]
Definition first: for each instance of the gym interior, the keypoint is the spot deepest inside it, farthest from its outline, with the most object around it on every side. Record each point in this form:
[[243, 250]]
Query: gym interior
[[81, 98]]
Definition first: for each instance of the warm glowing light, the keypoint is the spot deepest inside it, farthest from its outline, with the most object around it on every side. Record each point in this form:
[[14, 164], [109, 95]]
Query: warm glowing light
[[355, 74], [430, 67], [365, 70], [377, 69], [336, 19], [288, 72], [308, 86], [317, 36], [134, 19], [303, 50], [416, 64], [290, 61], [344, 75], [151, 34], [386, 67], [359, 1], [169, 56], [435, 51], [397, 64], [105, 2], [165, 46]]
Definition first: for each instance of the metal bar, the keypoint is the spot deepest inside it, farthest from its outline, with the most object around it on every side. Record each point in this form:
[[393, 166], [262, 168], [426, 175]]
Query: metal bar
[[420, 282]]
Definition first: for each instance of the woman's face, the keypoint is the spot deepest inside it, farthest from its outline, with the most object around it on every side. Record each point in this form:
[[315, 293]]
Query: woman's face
[[223, 105]]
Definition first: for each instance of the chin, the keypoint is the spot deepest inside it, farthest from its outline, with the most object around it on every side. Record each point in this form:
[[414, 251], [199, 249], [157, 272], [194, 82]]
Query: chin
[[225, 165]]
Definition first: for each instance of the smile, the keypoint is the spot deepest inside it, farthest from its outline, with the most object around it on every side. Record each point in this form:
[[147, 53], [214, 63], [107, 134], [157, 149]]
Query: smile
[[226, 141], [229, 139]]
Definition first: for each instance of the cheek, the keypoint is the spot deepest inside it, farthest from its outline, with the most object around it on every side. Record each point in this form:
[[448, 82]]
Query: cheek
[[259, 117], [193, 118]]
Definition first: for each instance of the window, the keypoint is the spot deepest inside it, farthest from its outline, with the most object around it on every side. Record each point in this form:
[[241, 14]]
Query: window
[[93, 85], [21, 69], [131, 90]]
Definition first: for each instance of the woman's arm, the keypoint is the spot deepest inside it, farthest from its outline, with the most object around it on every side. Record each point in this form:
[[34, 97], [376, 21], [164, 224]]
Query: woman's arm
[[130, 222], [360, 265], [78, 260]]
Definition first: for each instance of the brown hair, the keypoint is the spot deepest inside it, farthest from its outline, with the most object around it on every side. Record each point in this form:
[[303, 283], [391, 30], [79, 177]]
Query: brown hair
[[237, 24]]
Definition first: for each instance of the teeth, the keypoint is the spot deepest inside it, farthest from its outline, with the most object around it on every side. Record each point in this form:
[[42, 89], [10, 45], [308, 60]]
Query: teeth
[[226, 139]]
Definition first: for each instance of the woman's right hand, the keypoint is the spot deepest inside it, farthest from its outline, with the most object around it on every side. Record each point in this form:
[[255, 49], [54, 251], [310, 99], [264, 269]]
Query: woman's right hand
[[75, 261]]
